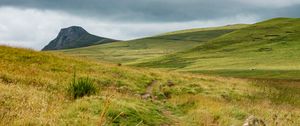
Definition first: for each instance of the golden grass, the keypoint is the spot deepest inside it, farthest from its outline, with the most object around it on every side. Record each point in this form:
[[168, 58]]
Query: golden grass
[[33, 91]]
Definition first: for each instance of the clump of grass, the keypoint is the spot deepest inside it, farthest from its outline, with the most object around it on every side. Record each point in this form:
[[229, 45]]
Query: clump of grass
[[104, 111], [82, 87]]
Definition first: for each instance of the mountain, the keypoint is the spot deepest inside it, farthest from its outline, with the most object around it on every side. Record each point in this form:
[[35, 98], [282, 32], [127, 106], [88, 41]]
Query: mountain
[[138, 50], [75, 37]]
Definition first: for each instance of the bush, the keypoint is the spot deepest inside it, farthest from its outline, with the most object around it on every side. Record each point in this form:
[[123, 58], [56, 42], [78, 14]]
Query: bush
[[82, 87]]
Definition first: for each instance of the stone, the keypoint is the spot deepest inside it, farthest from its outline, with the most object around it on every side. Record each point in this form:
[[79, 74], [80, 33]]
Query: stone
[[253, 121]]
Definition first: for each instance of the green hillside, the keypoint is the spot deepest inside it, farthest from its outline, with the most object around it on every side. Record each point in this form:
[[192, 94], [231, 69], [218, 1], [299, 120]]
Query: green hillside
[[227, 27], [37, 88], [146, 48], [268, 49]]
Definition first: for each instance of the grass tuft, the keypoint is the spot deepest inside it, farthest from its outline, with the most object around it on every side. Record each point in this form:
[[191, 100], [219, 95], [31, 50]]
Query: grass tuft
[[82, 87]]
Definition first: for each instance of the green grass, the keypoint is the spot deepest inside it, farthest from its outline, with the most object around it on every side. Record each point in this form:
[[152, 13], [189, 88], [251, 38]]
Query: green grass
[[34, 87], [227, 27], [268, 49], [34, 91], [81, 87], [139, 50], [258, 74]]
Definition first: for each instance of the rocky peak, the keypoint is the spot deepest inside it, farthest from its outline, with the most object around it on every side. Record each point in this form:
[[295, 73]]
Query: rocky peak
[[67, 35], [72, 31], [74, 37]]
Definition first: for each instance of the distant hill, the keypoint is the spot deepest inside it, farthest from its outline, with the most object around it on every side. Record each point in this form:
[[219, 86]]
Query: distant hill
[[75, 37], [268, 49], [138, 50], [227, 27]]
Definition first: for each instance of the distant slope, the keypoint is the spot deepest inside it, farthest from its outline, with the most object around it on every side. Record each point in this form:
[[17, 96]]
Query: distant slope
[[227, 27], [34, 91], [267, 49], [141, 49], [75, 37]]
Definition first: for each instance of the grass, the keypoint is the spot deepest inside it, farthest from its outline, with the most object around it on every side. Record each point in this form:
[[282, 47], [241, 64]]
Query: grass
[[135, 51], [267, 49], [34, 92], [34, 89], [82, 87], [258, 74], [227, 27]]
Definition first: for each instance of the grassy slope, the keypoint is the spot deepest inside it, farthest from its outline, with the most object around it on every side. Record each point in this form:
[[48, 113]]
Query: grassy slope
[[268, 49], [146, 48], [33, 92], [228, 27]]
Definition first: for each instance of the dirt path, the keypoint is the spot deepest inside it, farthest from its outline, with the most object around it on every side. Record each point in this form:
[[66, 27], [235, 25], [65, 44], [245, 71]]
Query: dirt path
[[148, 94], [167, 113], [149, 89]]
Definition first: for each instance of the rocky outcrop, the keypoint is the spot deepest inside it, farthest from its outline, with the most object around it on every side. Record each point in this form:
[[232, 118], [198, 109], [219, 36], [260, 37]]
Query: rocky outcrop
[[75, 37]]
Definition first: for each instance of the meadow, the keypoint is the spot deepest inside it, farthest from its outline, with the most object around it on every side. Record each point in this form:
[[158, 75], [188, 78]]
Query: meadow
[[267, 49], [140, 50], [35, 91]]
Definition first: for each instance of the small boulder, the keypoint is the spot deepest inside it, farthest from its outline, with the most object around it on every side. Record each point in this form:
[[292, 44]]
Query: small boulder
[[146, 96], [253, 121]]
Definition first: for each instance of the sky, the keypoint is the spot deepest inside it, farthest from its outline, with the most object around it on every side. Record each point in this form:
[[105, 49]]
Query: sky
[[34, 23]]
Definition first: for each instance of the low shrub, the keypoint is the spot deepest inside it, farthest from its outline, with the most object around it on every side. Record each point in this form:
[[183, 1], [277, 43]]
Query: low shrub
[[82, 87]]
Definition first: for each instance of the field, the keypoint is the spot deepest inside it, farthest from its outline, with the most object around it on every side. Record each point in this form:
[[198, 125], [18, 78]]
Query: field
[[135, 51], [268, 49], [263, 50], [34, 92]]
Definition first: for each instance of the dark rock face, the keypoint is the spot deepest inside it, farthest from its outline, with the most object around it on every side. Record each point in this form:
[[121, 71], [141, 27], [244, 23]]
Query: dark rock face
[[75, 37]]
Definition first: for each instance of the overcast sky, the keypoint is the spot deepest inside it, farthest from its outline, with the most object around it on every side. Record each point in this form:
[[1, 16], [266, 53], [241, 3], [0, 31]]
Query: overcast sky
[[34, 23]]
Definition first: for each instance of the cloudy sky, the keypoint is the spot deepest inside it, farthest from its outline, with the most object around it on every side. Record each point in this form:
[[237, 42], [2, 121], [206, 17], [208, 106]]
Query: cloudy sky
[[33, 23]]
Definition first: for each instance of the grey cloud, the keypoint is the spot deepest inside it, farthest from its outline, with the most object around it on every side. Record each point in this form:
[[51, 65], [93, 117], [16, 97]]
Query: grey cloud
[[33, 23], [35, 28], [162, 10]]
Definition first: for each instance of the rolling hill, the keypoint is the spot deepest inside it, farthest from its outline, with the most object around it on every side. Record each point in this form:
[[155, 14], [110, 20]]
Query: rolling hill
[[35, 90], [268, 49], [134, 51]]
